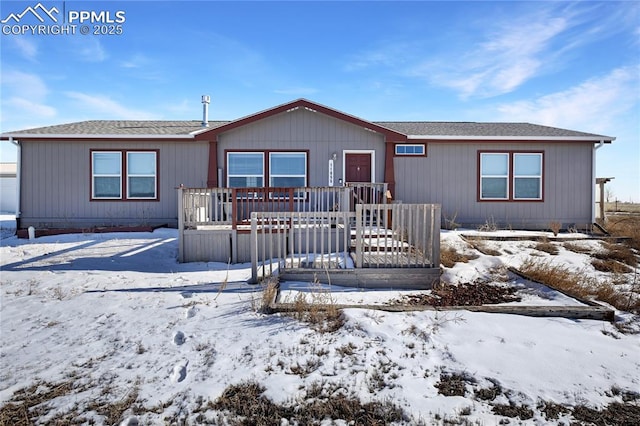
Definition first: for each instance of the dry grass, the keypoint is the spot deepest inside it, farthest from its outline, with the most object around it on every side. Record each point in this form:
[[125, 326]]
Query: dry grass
[[555, 227], [547, 247], [270, 289], [449, 256], [623, 207], [30, 404], [318, 309], [625, 226], [484, 248], [617, 252], [610, 265], [246, 404], [580, 284], [577, 248]]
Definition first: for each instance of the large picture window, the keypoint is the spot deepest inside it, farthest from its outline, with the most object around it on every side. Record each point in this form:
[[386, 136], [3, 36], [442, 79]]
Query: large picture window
[[276, 169], [510, 176], [124, 175]]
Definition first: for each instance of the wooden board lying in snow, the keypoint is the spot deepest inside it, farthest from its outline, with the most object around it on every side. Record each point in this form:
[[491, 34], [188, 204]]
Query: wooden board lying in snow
[[600, 313]]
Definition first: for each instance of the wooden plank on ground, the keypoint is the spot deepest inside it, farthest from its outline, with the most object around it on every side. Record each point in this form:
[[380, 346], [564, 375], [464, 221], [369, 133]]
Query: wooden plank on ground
[[600, 313]]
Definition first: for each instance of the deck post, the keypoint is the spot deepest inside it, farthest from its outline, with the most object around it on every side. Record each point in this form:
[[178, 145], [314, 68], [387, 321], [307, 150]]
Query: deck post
[[254, 249], [359, 234], [180, 224], [435, 213], [234, 206]]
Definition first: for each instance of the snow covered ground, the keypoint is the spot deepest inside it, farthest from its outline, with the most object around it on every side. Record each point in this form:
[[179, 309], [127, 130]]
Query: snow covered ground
[[114, 313]]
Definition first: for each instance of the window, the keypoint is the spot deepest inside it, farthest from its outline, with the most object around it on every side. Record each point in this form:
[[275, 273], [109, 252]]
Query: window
[[510, 176], [494, 176], [141, 175], [107, 175], [527, 176], [245, 169], [281, 169], [410, 149], [288, 169], [124, 175]]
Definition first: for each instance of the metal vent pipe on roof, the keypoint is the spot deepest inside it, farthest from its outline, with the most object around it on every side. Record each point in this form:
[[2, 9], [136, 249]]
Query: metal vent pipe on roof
[[205, 110]]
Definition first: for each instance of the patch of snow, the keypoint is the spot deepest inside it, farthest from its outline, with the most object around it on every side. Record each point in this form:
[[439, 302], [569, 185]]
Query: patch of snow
[[118, 310]]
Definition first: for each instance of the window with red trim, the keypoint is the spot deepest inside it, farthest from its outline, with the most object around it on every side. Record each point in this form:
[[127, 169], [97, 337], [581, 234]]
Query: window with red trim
[[124, 175], [510, 176]]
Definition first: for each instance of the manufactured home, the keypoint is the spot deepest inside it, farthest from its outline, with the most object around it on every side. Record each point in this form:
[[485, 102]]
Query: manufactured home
[[300, 157]]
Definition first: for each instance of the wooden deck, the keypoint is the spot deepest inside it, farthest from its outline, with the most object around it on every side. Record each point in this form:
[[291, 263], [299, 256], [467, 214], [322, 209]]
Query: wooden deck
[[313, 234]]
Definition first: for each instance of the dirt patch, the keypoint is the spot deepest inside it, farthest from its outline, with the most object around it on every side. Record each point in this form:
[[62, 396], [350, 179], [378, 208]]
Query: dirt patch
[[471, 294]]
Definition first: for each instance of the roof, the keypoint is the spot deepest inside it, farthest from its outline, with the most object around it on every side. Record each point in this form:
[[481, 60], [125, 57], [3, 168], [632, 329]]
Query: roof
[[441, 128], [120, 127], [404, 129]]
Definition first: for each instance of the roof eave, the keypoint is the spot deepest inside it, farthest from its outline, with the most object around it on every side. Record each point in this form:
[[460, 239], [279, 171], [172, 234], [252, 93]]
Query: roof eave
[[41, 136], [594, 139]]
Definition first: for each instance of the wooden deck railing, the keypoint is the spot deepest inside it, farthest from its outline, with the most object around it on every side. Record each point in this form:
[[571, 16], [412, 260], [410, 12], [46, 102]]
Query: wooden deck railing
[[202, 207], [397, 235], [376, 235]]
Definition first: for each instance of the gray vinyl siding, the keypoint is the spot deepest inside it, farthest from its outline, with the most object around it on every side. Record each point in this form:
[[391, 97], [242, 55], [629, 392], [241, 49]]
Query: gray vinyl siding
[[449, 176], [56, 184], [305, 130]]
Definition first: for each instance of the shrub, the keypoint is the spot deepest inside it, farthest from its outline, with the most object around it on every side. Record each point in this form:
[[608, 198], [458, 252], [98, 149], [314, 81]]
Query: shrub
[[555, 227]]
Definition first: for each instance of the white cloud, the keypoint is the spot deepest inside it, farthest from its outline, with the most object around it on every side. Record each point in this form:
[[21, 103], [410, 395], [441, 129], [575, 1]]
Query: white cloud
[[107, 107], [27, 106], [508, 58], [26, 46], [24, 100], [24, 84], [592, 105]]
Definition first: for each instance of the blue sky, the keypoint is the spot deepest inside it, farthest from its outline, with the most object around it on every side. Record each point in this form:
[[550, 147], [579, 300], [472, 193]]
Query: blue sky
[[574, 65]]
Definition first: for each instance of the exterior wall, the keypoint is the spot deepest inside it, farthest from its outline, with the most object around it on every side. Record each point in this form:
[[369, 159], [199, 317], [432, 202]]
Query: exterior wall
[[449, 176], [305, 130], [56, 184]]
